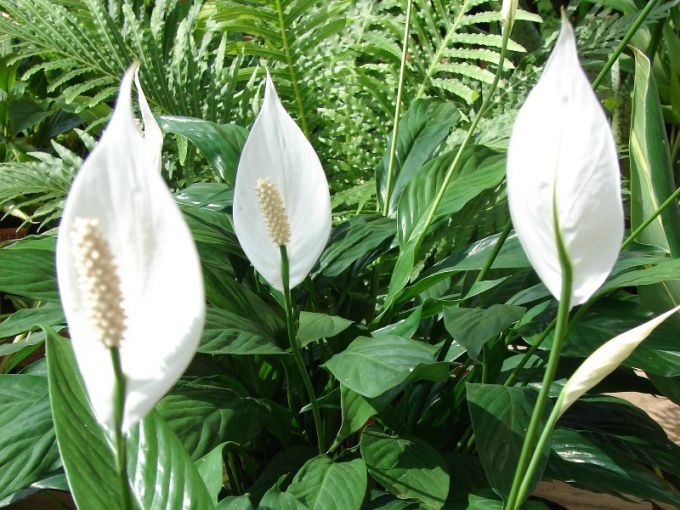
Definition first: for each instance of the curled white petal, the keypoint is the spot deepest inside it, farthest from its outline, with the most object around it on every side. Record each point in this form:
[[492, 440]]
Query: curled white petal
[[276, 150], [508, 10], [562, 153], [157, 264], [153, 136], [604, 360]]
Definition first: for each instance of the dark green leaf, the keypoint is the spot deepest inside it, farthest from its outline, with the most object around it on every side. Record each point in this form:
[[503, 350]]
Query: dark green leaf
[[205, 417], [227, 333], [371, 366], [27, 269], [28, 449], [407, 467], [314, 326], [211, 469], [422, 129], [500, 418], [322, 483], [474, 327], [30, 319], [652, 182], [84, 447], [221, 144], [162, 474]]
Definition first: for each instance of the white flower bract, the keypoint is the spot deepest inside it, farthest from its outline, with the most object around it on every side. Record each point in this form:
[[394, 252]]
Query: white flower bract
[[278, 153], [605, 359], [562, 158], [120, 190]]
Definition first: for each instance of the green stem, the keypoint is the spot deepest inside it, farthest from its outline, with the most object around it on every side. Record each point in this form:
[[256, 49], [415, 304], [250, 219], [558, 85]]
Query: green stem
[[397, 111], [295, 347], [523, 475], [119, 442], [528, 354], [542, 442], [622, 45], [466, 141]]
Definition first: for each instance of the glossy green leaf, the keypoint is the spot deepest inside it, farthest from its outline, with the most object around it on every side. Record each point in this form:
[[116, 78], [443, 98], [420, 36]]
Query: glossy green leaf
[[474, 327], [652, 182], [274, 499], [480, 169], [407, 467], [356, 243], [28, 448], [162, 475], [357, 410], [211, 469], [27, 269], [422, 129], [235, 503], [84, 446], [28, 319], [228, 333], [578, 458], [371, 366], [280, 467], [471, 258], [500, 418], [314, 326], [322, 483], [204, 417], [221, 144], [30, 343]]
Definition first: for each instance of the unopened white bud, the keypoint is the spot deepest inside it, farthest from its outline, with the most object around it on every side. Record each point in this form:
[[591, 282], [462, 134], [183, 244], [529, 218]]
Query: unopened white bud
[[98, 281], [273, 212]]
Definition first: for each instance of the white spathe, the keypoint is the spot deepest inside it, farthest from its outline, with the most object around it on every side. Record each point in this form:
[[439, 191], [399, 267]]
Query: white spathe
[[277, 150], [120, 187], [508, 10], [562, 157], [605, 359]]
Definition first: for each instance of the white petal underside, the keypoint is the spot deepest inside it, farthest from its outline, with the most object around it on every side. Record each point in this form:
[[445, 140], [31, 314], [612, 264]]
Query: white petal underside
[[157, 263], [276, 149], [562, 147]]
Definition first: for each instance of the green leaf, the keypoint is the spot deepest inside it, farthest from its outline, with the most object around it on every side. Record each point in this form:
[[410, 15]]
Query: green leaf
[[221, 144], [422, 130], [577, 458], [235, 503], [474, 327], [371, 366], [407, 467], [162, 474], [207, 416], [356, 411], [27, 269], [480, 169], [500, 418], [227, 333], [322, 483], [84, 447], [274, 499], [28, 449], [29, 319], [314, 326], [652, 182], [360, 239], [659, 354], [211, 469]]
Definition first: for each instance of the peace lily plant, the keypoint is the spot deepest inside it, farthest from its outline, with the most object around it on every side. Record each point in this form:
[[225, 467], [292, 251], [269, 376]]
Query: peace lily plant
[[398, 240], [134, 325], [564, 194], [282, 211]]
